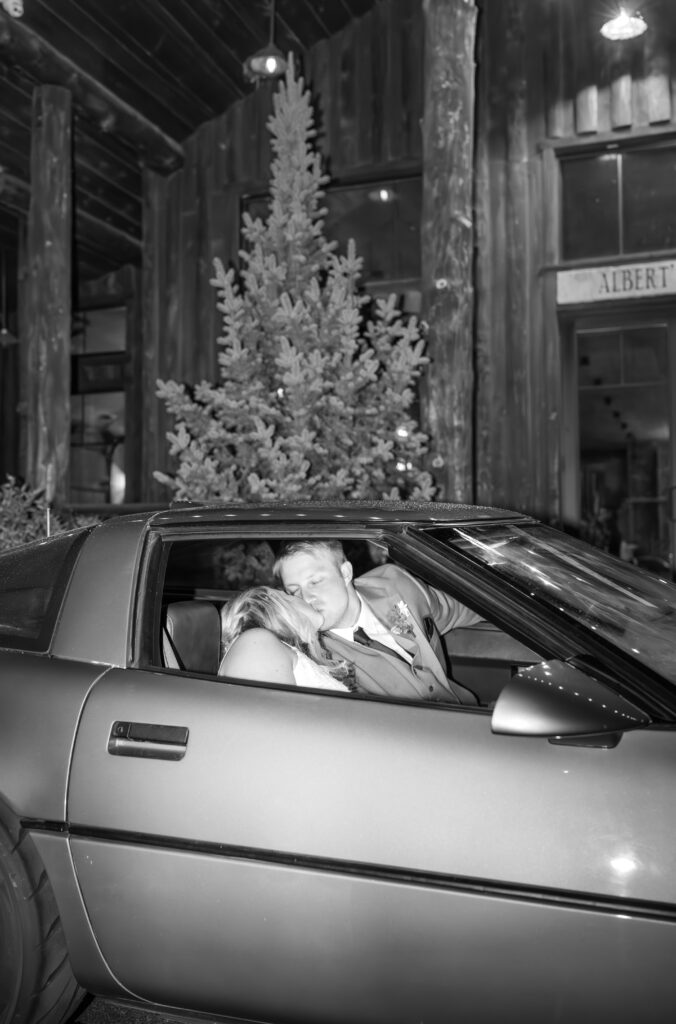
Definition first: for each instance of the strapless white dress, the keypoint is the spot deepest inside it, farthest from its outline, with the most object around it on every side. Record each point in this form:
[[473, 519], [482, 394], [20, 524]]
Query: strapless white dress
[[307, 672]]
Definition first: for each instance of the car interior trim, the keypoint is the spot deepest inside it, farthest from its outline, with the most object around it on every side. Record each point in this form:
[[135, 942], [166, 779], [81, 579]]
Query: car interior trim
[[571, 899]]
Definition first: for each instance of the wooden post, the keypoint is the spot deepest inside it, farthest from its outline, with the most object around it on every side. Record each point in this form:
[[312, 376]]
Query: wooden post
[[48, 293], [9, 366], [447, 243], [155, 449]]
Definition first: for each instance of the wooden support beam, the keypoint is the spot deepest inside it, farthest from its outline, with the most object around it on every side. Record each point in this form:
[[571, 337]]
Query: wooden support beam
[[447, 242], [133, 459], [20, 46], [9, 367], [91, 232], [123, 242], [48, 294], [155, 419]]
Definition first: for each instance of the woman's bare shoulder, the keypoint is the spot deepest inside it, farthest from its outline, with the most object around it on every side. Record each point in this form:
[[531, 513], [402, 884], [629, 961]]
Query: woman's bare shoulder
[[258, 639], [259, 654]]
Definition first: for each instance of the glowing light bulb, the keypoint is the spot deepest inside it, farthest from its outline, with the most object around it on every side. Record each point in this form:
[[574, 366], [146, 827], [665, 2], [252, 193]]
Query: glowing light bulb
[[624, 26]]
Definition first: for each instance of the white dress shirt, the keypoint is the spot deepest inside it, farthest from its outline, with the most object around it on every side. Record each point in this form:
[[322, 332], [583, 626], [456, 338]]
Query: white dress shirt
[[374, 628]]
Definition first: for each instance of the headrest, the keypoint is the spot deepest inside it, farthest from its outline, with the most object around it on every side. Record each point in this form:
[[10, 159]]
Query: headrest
[[194, 628]]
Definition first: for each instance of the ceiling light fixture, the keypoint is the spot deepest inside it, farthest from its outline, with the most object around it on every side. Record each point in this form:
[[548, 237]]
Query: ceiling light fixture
[[382, 194], [267, 62], [624, 26]]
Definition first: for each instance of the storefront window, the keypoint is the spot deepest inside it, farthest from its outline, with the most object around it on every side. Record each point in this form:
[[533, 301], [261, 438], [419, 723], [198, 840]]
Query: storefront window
[[618, 202], [98, 408], [648, 187]]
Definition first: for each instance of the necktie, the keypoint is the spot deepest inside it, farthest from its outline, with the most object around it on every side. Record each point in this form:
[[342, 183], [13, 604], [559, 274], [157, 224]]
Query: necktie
[[362, 637]]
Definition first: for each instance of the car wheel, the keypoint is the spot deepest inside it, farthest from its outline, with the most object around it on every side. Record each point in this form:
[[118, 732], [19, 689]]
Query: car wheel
[[36, 982]]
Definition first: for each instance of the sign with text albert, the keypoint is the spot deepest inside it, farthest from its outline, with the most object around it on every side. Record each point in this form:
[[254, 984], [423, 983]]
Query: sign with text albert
[[630, 281]]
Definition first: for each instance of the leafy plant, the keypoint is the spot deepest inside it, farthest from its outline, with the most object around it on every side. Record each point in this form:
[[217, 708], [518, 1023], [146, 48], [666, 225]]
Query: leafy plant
[[316, 378], [26, 516]]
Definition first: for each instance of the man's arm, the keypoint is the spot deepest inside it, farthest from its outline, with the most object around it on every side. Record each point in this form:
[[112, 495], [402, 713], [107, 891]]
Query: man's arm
[[446, 612]]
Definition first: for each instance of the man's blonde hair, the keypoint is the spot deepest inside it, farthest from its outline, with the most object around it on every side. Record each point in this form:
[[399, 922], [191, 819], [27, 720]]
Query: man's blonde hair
[[332, 548]]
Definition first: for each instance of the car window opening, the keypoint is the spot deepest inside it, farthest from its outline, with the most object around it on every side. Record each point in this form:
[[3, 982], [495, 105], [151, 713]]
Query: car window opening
[[203, 576]]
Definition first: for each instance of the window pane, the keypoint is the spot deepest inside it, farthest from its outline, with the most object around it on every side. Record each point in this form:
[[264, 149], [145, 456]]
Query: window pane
[[645, 355], [214, 567], [648, 208], [383, 218], [98, 408], [632, 611], [624, 434], [590, 207], [598, 358]]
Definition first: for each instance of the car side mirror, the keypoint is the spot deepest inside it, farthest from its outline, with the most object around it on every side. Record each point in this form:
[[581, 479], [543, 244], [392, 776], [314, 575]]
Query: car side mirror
[[557, 700]]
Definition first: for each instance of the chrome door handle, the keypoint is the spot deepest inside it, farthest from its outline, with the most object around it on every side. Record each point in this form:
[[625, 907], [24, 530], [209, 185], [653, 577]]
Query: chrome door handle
[[145, 739]]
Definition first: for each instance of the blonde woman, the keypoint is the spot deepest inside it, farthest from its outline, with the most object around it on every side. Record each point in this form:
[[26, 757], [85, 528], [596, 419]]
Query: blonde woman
[[273, 637]]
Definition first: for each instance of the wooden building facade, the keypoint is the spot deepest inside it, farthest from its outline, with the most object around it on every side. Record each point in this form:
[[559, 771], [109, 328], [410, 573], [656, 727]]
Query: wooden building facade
[[555, 382], [576, 293]]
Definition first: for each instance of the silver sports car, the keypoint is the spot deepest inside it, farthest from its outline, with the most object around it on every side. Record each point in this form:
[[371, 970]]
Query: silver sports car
[[273, 853]]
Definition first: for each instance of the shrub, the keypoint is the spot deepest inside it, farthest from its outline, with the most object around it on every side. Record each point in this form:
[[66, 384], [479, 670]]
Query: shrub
[[25, 516]]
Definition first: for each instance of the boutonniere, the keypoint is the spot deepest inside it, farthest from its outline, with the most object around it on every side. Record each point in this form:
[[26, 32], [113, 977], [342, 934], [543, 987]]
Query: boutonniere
[[400, 622]]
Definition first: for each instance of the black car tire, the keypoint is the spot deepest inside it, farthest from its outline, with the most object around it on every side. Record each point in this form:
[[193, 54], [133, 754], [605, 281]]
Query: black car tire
[[36, 982]]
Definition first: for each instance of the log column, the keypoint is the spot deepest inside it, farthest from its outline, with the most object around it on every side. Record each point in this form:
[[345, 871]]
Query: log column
[[48, 294], [447, 242]]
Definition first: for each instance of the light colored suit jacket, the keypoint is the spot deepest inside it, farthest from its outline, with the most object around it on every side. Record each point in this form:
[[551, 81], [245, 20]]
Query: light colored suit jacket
[[416, 615]]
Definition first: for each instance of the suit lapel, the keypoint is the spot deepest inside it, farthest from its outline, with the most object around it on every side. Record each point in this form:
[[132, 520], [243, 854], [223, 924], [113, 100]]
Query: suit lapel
[[383, 606], [378, 594], [409, 643]]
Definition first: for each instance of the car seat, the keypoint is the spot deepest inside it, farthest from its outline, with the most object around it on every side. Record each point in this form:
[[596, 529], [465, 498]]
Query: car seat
[[192, 636]]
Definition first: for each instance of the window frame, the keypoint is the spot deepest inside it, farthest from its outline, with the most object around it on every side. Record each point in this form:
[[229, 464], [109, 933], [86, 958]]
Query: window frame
[[570, 153], [151, 582]]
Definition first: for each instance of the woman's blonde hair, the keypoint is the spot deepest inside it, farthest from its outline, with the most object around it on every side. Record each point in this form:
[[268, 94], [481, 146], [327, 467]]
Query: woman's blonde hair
[[275, 610]]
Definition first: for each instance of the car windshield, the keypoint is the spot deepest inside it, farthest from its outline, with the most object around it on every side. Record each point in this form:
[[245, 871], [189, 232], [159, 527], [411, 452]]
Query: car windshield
[[629, 607]]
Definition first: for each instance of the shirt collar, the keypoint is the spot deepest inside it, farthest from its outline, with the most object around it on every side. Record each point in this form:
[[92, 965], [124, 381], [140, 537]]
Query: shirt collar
[[347, 632]]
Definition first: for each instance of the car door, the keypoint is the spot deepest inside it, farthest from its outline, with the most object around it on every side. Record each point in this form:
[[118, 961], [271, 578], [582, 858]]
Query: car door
[[290, 855]]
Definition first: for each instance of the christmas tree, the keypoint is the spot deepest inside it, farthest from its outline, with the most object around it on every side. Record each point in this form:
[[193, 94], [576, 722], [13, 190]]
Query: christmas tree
[[315, 392]]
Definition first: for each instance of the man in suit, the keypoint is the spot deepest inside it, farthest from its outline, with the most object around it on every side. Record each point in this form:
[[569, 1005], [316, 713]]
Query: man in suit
[[386, 622]]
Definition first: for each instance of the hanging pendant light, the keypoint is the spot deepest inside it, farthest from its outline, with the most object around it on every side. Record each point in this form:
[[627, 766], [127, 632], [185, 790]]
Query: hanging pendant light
[[267, 62], [624, 26], [6, 336]]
